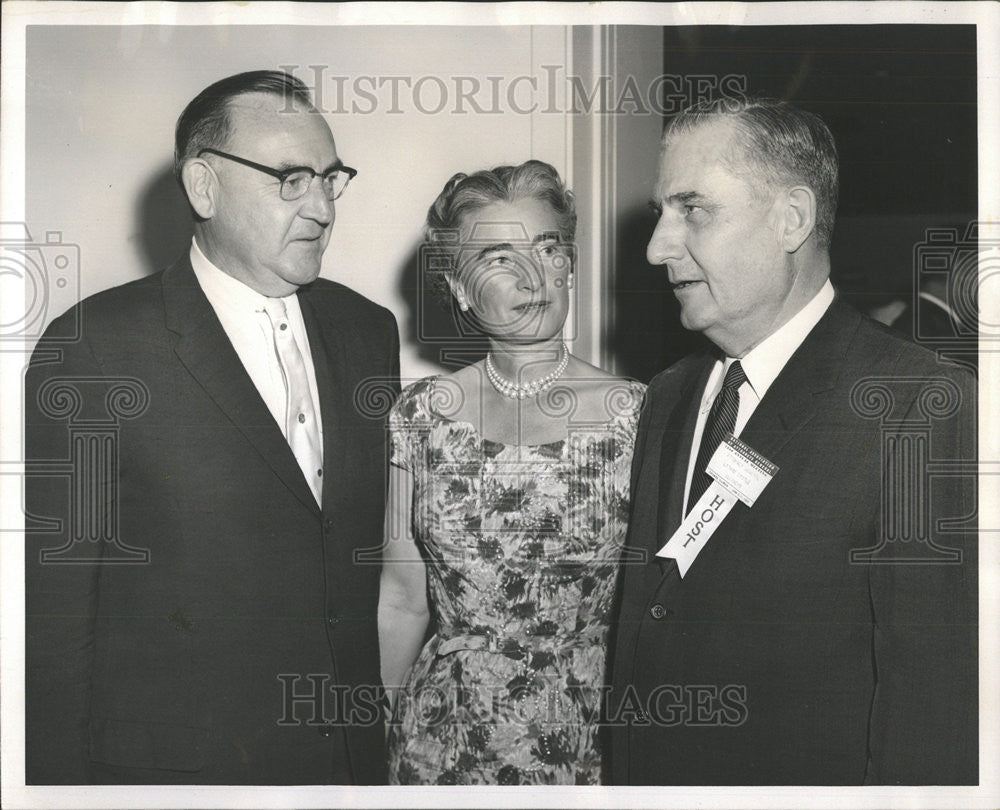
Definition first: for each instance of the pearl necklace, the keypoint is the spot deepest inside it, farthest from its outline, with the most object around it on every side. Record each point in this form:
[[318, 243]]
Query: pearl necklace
[[515, 391]]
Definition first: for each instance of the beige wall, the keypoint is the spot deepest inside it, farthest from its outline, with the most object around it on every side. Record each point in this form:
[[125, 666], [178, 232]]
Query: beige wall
[[102, 103]]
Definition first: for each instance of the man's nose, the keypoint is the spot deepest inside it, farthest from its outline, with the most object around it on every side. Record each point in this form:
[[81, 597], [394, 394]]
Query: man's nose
[[667, 242], [316, 205]]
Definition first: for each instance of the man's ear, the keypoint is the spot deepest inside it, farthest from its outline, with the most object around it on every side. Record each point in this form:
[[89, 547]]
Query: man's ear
[[201, 187], [798, 217]]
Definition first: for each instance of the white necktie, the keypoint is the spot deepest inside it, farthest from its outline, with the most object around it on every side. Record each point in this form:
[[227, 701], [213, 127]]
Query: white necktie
[[301, 427]]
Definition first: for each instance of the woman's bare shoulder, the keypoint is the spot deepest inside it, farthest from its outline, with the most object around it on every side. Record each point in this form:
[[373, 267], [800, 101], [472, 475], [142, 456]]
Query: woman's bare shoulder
[[601, 395], [578, 368], [457, 393]]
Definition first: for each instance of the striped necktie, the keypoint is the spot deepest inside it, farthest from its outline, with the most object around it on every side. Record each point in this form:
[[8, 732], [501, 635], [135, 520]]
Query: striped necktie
[[721, 420]]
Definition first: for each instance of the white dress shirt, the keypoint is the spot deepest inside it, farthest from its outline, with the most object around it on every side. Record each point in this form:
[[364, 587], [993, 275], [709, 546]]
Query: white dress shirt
[[762, 365], [240, 309]]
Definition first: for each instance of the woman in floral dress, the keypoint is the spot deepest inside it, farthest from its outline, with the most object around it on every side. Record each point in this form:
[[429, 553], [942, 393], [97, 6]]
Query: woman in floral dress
[[508, 508]]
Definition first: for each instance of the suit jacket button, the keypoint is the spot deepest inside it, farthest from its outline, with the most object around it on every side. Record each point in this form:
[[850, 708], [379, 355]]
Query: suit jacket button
[[328, 524], [657, 611], [332, 619]]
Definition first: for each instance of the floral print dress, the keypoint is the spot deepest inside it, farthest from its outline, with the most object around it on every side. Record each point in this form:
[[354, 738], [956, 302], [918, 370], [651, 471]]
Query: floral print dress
[[521, 545]]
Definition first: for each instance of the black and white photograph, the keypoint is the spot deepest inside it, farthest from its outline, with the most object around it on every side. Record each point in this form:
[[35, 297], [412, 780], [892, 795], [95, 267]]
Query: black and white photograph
[[500, 405]]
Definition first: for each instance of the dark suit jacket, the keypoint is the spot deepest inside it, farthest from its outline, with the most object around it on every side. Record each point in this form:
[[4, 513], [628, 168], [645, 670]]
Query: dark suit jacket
[[784, 656], [181, 669]]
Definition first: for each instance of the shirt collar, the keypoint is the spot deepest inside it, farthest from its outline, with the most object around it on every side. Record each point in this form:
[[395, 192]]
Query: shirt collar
[[223, 290], [764, 362]]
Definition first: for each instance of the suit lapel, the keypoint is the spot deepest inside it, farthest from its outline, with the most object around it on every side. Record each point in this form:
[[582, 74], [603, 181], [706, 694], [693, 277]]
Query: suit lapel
[[676, 450], [793, 398], [204, 348]]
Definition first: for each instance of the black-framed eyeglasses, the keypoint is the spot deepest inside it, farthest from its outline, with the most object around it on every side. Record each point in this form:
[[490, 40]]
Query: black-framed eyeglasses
[[295, 182]]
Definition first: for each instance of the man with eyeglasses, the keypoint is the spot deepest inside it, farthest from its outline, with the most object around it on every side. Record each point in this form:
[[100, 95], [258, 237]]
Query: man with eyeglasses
[[222, 630]]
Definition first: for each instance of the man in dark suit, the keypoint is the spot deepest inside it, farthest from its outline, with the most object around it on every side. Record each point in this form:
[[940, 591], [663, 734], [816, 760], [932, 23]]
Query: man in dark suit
[[825, 634], [200, 608]]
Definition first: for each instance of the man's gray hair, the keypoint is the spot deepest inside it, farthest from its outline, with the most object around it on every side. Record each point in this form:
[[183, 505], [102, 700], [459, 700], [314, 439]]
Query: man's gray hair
[[777, 145]]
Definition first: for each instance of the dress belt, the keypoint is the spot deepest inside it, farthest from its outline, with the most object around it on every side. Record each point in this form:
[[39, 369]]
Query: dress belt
[[517, 647]]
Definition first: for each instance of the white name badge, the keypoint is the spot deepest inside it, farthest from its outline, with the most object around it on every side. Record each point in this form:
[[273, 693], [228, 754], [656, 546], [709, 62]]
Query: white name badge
[[741, 469], [740, 474]]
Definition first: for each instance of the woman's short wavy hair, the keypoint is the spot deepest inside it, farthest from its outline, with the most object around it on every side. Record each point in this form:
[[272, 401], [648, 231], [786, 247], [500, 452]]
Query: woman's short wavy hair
[[464, 194]]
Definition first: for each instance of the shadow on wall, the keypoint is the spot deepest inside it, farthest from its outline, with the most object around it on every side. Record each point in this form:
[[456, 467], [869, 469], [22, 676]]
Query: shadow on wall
[[646, 334], [164, 226], [437, 329]]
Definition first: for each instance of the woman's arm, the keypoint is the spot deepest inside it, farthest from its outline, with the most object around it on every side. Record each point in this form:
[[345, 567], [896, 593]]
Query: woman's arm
[[402, 606]]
